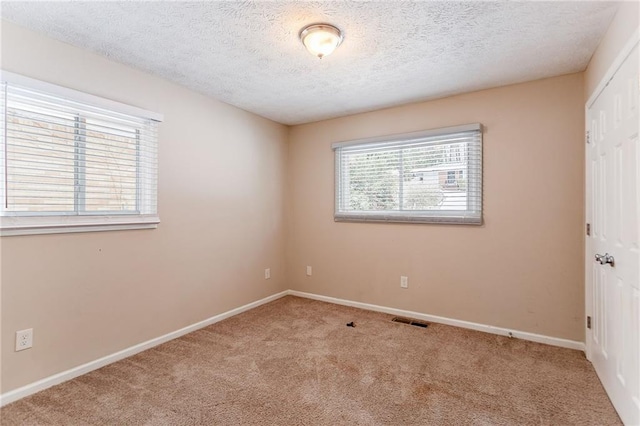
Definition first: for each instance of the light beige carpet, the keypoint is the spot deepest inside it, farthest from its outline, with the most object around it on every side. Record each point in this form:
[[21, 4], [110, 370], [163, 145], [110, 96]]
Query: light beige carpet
[[295, 362]]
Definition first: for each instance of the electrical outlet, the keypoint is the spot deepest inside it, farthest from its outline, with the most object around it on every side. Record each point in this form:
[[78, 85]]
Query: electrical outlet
[[404, 282], [267, 273], [24, 339], [309, 271]]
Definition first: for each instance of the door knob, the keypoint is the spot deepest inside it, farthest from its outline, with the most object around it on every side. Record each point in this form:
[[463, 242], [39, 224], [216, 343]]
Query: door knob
[[603, 259]]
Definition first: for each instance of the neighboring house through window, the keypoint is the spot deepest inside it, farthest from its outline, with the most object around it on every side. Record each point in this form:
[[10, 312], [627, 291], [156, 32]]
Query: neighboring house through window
[[433, 176], [74, 162]]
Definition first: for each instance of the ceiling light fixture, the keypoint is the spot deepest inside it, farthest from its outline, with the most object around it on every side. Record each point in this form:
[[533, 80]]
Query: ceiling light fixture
[[321, 39]]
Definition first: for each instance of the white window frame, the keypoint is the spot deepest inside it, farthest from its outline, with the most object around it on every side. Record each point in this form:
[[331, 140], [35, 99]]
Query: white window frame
[[471, 216], [30, 223]]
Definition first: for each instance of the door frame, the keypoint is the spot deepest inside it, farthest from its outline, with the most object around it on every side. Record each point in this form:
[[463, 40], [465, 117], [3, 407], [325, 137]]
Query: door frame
[[588, 260]]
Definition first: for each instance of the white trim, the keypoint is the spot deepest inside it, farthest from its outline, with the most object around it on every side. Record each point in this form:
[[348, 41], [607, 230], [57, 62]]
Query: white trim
[[56, 379], [613, 68], [539, 338], [77, 96]]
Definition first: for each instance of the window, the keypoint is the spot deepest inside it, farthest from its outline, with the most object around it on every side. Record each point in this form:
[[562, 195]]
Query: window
[[428, 177], [74, 162]]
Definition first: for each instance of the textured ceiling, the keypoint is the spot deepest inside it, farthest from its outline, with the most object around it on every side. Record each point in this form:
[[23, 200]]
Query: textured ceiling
[[247, 53]]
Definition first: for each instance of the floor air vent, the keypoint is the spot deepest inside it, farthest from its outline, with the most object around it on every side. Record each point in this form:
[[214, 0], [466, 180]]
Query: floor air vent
[[410, 321]]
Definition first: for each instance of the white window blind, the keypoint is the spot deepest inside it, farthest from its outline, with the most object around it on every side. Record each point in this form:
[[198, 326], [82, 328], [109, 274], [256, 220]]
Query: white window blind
[[429, 177], [71, 161]]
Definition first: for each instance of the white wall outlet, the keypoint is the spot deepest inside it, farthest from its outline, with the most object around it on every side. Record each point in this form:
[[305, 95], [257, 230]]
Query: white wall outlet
[[24, 339], [404, 282], [309, 271], [267, 273]]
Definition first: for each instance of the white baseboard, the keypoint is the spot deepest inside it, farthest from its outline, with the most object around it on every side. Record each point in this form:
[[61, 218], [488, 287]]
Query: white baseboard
[[539, 338], [47, 382]]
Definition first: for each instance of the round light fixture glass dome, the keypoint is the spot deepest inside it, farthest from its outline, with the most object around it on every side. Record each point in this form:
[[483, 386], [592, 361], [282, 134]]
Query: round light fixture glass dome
[[321, 39]]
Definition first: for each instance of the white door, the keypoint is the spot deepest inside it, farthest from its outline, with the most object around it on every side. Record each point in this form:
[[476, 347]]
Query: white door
[[613, 211]]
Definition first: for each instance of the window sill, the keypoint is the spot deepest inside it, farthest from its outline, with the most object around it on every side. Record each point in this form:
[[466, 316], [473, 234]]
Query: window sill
[[37, 225], [395, 218]]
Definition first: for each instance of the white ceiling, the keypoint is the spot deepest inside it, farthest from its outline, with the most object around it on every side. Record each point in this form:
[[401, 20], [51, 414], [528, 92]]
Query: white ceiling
[[247, 53]]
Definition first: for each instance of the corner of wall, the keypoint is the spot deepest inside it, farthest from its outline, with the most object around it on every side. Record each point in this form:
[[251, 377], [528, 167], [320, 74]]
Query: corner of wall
[[288, 216]]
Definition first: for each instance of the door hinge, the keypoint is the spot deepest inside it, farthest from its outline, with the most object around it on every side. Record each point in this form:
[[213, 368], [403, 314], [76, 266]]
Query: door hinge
[[589, 323], [588, 229], [587, 136]]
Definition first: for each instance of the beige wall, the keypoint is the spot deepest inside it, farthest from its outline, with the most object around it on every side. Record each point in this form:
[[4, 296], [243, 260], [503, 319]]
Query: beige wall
[[522, 270], [221, 202], [89, 295], [625, 22]]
